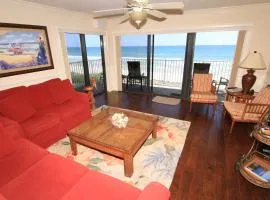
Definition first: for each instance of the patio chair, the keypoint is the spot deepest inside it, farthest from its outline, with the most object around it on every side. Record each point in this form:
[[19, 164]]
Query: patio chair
[[201, 68], [250, 110], [134, 73], [203, 91], [222, 81]]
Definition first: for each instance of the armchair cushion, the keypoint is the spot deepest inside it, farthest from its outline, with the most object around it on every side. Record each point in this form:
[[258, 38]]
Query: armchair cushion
[[236, 111], [202, 82], [263, 97], [204, 97]]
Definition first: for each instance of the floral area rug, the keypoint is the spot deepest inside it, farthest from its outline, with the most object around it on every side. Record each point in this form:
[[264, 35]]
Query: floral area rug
[[155, 161]]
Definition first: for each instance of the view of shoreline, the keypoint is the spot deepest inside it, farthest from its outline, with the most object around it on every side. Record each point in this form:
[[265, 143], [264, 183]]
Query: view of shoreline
[[202, 52]]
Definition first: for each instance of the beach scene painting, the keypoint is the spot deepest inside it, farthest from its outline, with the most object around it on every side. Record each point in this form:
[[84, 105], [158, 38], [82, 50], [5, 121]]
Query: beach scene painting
[[23, 49]]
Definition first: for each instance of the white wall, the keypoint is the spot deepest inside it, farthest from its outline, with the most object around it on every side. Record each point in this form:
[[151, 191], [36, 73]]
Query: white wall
[[55, 19], [253, 18]]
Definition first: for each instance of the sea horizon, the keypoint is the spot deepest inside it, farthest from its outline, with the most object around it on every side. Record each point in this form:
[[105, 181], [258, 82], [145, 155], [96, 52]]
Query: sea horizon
[[202, 52]]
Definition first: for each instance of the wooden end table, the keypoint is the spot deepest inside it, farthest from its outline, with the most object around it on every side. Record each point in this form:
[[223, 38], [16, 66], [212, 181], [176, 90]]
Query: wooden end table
[[236, 95], [99, 133]]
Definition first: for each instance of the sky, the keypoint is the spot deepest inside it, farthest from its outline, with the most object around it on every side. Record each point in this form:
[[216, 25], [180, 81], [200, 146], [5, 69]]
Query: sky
[[202, 38], [18, 37], [73, 40]]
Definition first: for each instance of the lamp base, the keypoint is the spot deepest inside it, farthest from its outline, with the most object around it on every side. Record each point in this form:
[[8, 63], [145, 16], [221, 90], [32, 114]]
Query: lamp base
[[248, 81]]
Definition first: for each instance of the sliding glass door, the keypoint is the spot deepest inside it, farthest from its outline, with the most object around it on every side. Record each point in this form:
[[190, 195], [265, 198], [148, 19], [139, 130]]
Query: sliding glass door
[[160, 62], [217, 49], [134, 63], [95, 58], [168, 63], [86, 61], [75, 60]]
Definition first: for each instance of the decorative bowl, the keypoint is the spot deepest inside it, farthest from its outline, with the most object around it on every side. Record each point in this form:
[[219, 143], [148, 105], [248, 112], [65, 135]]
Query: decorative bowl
[[119, 120]]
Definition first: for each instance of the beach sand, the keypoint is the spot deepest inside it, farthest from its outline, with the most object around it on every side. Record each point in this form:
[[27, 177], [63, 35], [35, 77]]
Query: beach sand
[[16, 59]]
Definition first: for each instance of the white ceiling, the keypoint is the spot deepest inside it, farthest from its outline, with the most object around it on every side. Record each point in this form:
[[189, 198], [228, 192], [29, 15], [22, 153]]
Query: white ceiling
[[90, 5]]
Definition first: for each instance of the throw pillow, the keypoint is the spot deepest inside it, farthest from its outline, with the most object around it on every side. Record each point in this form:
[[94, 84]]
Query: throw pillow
[[17, 107], [61, 91], [39, 96]]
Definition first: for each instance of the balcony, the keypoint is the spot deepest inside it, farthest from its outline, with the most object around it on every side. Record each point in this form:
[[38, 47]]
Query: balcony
[[168, 73], [95, 71]]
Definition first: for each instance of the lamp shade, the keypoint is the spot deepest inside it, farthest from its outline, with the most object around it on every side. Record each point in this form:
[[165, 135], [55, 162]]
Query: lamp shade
[[254, 61]]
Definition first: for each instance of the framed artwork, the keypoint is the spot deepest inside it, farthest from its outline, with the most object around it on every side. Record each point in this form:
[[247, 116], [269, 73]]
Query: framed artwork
[[24, 49]]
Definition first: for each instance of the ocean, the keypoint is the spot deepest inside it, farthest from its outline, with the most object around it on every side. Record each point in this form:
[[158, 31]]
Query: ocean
[[202, 52]]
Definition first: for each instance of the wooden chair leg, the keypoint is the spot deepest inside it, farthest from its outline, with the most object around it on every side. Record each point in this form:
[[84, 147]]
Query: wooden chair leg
[[232, 125], [190, 106], [224, 113]]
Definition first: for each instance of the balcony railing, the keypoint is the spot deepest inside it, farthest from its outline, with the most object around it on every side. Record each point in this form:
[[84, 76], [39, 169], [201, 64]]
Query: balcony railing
[[95, 70], [167, 72]]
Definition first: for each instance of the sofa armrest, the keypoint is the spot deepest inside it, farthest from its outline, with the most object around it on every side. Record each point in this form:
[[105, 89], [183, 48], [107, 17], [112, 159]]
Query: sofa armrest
[[83, 97], [155, 191]]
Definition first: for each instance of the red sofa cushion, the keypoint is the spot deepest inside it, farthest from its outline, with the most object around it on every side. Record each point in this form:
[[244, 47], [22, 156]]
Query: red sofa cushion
[[50, 178], [72, 112], [8, 92], [2, 197], [11, 127], [61, 91], [40, 122], [7, 144], [25, 155], [17, 107], [39, 95], [95, 185], [155, 191]]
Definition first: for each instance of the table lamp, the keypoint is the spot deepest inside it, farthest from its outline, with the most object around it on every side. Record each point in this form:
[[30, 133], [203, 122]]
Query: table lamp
[[253, 61]]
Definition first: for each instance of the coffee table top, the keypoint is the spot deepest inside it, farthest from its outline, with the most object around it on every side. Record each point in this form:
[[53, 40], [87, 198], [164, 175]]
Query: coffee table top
[[100, 130]]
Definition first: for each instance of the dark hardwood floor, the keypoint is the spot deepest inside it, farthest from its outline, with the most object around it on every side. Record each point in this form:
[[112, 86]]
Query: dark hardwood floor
[[206, 167]]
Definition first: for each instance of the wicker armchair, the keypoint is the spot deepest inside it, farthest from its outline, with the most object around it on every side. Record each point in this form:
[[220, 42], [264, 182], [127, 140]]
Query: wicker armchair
[[203, 91], [249, 110]]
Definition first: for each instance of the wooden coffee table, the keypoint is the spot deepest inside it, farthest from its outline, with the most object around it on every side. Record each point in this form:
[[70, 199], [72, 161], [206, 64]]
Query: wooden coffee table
[[99, 133]]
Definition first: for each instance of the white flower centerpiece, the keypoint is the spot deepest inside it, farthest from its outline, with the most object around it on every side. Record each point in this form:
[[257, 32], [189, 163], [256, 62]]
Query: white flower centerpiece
[[119, 120]]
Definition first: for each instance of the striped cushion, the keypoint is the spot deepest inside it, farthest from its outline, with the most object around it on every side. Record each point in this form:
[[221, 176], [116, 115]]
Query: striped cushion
[[202, 82], [263, 96], [203, 97]]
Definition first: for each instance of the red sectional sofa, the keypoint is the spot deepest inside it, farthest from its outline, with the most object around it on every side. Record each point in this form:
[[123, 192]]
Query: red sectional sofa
[[32, 118], [44, 112]]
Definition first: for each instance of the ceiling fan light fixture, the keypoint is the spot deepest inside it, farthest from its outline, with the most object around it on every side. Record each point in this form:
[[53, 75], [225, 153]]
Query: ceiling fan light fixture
[[138, 16]]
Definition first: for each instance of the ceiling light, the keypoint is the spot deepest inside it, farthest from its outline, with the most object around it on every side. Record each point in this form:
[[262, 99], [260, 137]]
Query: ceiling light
[[138, 16]]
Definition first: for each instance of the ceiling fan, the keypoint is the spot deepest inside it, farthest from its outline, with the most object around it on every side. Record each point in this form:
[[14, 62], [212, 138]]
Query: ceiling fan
[[137, 11]]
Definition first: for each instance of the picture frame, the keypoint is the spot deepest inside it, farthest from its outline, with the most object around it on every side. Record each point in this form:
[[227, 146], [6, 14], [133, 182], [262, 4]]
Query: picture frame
[[24, 49]]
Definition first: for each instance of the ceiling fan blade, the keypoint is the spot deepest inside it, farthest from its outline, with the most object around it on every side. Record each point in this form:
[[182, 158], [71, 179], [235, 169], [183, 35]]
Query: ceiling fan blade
[[111, 12], [167, 6], [157, 14], [123, 18]]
